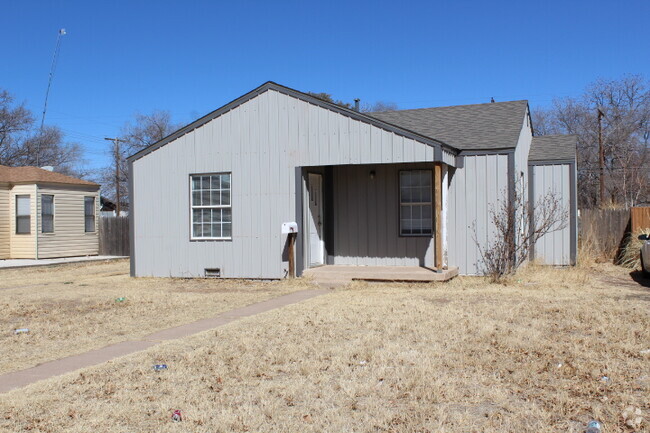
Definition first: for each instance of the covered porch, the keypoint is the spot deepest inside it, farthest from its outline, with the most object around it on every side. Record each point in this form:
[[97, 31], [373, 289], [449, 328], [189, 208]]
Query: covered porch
[[376, 222]]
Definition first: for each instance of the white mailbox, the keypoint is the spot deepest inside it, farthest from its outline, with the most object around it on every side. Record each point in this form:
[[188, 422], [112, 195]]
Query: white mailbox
[[289, 228]]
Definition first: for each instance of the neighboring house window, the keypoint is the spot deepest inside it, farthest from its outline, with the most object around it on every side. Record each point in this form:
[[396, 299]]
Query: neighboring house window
[[415, 203], [47, 213], [89, 214], [23, 217], [211, 208]]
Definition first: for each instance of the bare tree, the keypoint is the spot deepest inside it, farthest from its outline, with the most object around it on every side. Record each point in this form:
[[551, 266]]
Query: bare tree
[[625, 104], [20, 140], [379, 106], [517, 225], [328, 98], [143, 131]]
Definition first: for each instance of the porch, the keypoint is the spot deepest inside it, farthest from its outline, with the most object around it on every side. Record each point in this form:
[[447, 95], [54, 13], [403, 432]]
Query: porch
[[340, 275], [382, 220]]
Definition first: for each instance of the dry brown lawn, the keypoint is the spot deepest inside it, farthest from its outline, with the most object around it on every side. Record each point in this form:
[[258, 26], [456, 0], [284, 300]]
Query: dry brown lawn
[[71, 309], [466, 356]]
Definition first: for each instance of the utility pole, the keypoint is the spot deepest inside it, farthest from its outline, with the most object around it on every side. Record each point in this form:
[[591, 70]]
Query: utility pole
[[116, 154], [601, 157]]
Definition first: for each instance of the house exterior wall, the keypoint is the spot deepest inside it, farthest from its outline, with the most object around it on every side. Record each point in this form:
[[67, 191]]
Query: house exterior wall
[[69, 238], [557, 247], [261, 142], [521, 176], [481, 183], [521, 156], [5, 236], [366, 219], [22, 246]]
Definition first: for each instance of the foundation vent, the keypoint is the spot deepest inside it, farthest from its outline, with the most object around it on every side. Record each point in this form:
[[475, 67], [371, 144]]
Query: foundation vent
[[212, 272]]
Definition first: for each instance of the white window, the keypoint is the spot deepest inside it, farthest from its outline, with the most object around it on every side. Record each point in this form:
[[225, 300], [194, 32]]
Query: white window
[[47, 213], [211, 208], [89, 214], [415, 203], [23, 215]]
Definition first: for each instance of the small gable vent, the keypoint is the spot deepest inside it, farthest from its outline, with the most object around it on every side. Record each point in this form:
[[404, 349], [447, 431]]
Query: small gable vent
[[212, 272]]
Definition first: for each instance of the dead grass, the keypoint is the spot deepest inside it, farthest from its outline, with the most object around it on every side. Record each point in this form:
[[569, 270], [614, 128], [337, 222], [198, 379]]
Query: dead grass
[[467, 356], [72, 309]]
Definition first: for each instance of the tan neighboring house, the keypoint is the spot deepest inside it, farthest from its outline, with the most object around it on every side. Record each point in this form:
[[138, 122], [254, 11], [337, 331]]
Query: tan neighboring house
[[44, 214]]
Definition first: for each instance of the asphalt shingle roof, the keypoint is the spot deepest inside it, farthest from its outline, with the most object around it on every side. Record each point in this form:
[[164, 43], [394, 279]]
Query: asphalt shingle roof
[[37, 175], [465, 127], [553, 148]]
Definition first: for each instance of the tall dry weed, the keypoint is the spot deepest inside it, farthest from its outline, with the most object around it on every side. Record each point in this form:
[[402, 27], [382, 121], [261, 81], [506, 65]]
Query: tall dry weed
[[631, 254]]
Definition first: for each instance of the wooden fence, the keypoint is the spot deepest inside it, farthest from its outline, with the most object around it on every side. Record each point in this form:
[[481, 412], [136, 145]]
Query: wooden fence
[[604, 231], [114, 236], [640, 219]]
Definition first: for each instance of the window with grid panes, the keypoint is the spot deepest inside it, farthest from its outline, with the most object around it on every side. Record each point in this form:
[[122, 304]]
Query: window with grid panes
[[47, 213], [415, 203], [211, 206]]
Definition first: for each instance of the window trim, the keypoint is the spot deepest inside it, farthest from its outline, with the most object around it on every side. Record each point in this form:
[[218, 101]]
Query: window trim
[[53, 214], [192, 207], [399, 204], [29, 216], [94, 230]]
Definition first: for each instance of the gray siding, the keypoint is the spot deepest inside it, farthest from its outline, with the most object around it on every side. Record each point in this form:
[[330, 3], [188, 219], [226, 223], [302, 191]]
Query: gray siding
[[521, 155], [260, 142], [554, 248], [521, 176], [480, 184], [366, 219]]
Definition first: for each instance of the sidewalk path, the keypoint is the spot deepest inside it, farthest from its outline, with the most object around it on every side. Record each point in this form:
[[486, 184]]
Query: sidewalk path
[[30, 263], [18, 379]]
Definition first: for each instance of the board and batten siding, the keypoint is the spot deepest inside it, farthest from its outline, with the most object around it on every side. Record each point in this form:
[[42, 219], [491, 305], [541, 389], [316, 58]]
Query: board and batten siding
[[5, 214], [23, 246], [261, 142], [69, 238], [521, 156], [481, 184], [366, 219], [554, 248]]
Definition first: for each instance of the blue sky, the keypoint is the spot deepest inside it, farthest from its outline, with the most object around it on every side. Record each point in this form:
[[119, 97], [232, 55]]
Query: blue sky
[[125, 57]]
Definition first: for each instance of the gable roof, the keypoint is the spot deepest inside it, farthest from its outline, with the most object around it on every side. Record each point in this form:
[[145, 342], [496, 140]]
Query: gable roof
[[553, 148], [467, 127], [38, 175], [270, 85]]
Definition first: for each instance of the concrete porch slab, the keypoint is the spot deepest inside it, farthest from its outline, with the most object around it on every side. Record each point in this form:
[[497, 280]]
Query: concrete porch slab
[[340, 275]]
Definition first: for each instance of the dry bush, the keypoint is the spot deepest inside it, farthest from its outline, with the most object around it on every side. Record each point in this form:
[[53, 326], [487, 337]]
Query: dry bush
[[517, 225], [630, 256]]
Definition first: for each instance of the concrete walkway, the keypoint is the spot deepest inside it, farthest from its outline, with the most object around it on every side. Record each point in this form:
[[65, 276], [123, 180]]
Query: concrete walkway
[[24, 263], [18, 379]]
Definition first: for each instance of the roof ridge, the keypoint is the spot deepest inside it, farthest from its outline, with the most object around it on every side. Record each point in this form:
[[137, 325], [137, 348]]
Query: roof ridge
[[452, 106], [554, 135]]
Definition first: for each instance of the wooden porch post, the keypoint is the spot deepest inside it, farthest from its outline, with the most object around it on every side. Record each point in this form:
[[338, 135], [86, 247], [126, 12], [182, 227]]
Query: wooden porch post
[[437, 212]]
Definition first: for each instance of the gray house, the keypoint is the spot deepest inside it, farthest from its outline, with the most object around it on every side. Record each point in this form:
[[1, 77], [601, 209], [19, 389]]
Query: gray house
[[401, 188]]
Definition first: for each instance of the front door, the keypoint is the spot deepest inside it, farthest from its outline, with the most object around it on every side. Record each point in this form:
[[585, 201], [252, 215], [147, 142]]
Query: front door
[[316, 242]]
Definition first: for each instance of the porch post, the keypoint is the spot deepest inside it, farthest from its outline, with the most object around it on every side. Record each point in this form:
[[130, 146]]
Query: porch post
[[445, 197], [437, 212]]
